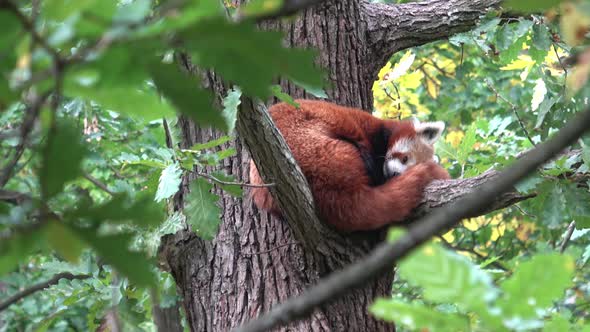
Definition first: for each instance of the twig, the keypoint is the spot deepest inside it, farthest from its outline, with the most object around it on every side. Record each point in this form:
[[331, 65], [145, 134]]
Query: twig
[[473, 252], [30, 27], [227, 183], [562, 66], [269, 250], [40, 286], [31, 115], [99, 184], [514, 110], [386, 254], [568, 235]]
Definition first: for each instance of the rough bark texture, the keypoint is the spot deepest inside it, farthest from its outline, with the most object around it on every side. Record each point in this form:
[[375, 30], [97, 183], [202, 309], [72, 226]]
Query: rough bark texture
[[257, 261]]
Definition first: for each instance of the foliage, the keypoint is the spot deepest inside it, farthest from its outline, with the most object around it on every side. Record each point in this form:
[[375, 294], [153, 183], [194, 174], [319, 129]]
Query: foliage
[[89, 118], [502, 88], [89, 109]]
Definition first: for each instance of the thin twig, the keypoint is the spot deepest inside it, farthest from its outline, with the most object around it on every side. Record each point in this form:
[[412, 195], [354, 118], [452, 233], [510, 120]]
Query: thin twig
[[562, 67], [387, 254], [514, 110], [40, 286], [30, 27], [568, 235], [227, 183], [26, 128], [99, 184]]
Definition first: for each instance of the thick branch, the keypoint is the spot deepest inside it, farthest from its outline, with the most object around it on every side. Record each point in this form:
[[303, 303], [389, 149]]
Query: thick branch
[[419, 232], [391, 28], [276, 164], [35, 288]]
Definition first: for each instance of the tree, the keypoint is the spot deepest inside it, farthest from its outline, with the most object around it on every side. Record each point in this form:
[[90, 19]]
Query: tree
[[255, 262], [92, 154]]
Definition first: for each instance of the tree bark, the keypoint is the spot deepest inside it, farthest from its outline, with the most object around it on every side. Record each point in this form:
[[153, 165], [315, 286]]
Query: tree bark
[[257, 261]]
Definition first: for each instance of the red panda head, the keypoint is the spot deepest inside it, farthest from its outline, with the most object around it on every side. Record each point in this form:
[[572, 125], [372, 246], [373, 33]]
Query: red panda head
[[411, 143]]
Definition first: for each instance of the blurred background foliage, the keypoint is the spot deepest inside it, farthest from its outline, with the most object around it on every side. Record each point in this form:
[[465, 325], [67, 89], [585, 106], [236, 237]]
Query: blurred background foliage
[[90, 158]]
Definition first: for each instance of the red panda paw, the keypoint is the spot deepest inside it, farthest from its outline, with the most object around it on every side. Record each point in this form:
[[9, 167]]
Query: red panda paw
[[430, 171], [437, 172]]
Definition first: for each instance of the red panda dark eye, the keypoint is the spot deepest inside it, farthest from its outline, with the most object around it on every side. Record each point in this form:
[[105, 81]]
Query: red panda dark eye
[[404, 159]]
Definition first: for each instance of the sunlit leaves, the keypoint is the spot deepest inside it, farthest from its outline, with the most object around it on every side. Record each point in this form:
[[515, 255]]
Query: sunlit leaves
[[169, 182], [446, 277], [418, 317], [62, 156], [525, 300], [201, 209]]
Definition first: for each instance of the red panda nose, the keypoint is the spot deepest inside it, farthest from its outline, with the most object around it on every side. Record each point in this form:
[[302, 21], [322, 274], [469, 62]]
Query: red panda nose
[[394, 174]]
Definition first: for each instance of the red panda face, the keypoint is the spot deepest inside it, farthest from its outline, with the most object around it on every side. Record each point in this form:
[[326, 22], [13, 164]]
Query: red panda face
[[413, 145]]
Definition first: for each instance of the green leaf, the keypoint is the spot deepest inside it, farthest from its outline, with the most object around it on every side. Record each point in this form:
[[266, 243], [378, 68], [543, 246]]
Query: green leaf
[[528, 184], [114, 249], [554, 208], [201, 209], [447, 277], [316, 91], [247, 56], [10, 27], [530, 6], [230, 107], [59, 10], [133, 12], [211, 144], [232, 189], [64, 241], [278, 92], [169, 182], [541, 37], [186, 96], [586, 154], [558, 323], [17, 247], [524, 300], [62, 156], [544, 108], [117, 80], [418, 317], [466, 146], [142, 211]]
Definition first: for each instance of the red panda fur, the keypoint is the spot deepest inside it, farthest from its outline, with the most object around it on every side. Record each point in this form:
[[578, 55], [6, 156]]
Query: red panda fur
[[319, 135]]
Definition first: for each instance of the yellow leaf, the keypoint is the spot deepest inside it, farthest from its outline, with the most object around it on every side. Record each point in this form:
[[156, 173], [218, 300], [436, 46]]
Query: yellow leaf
[[401, 68], [523, 61], [454, 138], [384, 70], [448, 236]]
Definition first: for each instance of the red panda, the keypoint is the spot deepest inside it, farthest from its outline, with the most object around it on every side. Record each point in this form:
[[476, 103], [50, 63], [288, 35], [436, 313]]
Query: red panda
[[364, 172]]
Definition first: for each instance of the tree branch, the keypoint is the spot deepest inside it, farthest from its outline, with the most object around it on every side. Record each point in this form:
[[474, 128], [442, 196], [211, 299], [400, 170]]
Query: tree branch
[[254, 125], [35, 288], [386, 254], [391, 28]]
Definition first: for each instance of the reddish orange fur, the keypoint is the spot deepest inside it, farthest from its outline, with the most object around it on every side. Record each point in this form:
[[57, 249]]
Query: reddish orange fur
[[335, 171]]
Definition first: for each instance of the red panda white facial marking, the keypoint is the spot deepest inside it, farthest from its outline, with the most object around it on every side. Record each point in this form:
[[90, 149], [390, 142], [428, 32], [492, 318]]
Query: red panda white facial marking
[[409, 151]]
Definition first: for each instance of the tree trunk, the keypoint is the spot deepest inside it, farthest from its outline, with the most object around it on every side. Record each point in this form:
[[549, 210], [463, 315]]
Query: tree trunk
[[254, 262]]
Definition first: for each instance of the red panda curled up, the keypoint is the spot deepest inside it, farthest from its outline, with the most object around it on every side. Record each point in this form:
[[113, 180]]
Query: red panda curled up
[[363, 172]]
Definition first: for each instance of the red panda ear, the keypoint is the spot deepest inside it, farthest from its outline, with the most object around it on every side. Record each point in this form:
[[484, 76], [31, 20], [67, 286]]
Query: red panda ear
[[429, 131]]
